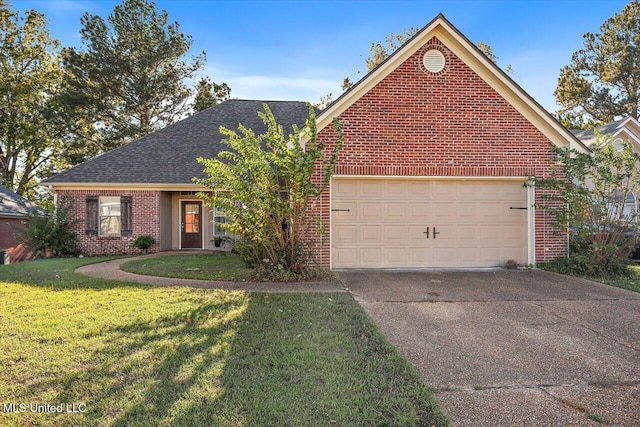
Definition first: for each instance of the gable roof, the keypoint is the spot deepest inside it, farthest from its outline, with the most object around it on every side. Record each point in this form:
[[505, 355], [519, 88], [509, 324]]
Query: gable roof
[[627, 125], [168, 156], [14, 205], [469, 53]]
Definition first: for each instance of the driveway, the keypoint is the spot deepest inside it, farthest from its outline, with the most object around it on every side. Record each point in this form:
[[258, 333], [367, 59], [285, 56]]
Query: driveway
[[507, 348]]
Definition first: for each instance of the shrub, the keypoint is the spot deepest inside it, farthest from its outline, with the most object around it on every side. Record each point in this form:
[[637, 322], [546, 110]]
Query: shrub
[[50, 233], [266, 185], [144, 243], [588, 195]]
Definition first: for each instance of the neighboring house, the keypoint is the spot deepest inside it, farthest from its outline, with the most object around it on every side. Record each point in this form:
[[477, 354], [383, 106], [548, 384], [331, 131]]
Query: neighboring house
[[625, 129], [13, 211], [438, 143]]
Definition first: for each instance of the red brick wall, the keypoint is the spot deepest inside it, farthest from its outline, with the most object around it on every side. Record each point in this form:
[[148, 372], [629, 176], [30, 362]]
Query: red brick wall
[[9, 228], [145, 221], [415, 123]]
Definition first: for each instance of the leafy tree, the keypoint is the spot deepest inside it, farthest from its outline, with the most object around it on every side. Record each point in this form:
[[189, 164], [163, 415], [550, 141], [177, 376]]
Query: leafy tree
[[587, 195], [602, 82], [264, 185], [488, 51], [30, 77], [379, 51], [129, 80], [210, 93]]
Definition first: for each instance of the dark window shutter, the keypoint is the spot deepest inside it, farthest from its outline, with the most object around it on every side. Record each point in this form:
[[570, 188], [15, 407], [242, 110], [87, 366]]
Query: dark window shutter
[[91, 223], [125, 215]]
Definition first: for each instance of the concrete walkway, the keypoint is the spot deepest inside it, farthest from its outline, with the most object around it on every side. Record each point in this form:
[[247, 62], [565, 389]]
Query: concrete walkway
[[111, 270], [513, 348]]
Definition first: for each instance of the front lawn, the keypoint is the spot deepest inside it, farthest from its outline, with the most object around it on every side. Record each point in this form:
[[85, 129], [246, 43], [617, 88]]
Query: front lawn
[[631, 283], [131, 354], [211, 266]]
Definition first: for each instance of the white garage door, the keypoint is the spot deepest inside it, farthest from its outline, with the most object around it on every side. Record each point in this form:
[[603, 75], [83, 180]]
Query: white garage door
[[412, 223]]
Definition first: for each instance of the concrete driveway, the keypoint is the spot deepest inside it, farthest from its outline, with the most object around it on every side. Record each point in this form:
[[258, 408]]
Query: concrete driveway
[[509, 348]]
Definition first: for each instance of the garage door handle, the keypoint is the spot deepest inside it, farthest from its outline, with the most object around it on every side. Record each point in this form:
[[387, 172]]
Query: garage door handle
[[434, 233]]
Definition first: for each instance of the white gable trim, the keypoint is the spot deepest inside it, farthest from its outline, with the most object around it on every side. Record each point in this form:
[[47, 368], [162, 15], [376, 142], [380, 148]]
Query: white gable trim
[[478, 62]]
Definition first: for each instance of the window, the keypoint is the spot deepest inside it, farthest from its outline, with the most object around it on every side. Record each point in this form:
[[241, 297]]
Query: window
[[219, 218], [109, 215]]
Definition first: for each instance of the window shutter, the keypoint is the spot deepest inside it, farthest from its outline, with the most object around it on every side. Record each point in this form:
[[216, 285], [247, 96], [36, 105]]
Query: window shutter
[[91, 223], [125, 215]]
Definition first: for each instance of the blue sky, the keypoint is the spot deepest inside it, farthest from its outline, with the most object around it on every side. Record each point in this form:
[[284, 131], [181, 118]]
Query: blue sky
[[301, 50]]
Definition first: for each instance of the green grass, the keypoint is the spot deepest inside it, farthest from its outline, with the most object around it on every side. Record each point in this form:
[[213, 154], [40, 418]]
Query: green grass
[[145, 355], [212, 266], [631, 283]]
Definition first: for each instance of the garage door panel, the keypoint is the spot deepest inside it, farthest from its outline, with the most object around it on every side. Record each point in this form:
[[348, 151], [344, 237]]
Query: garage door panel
[[419, 211], [443, 211], [345, 189], [368, 211], [395, 211], [466, 210], [345, 256], [445, 233], [466, 233], [488, 211], [388, 219], [444, 257], [513, 233], [489, 233], [369, 234], [492, 255], [419, 257], [394, 234], [344, 235], [395, 190], [370, 257], [344, 211], [416, 234], [395, 257], [372, 189]]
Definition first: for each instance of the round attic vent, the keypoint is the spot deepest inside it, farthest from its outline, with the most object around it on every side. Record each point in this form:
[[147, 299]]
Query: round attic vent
[[433, 61]]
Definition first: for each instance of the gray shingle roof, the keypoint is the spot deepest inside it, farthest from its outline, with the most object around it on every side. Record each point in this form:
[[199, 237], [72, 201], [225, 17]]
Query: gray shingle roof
[[13, 204], [168, 156], [588, 137]]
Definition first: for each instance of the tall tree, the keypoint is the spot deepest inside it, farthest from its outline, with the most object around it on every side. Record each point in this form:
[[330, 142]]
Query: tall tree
[[488, 52], [130, 78], [30, 77], [210, 93], [602, 82], [379, 51]]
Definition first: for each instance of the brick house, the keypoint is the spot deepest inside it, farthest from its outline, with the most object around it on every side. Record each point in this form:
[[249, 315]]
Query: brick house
[[13, 211], [624, 129], [438, 144]]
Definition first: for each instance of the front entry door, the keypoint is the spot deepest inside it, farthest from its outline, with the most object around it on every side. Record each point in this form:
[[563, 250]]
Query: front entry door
[[191, 225]]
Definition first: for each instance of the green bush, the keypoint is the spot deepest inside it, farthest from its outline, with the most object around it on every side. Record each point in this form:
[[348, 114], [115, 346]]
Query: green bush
[[587, 195], [51, 233], [144, 243], [268, 187]]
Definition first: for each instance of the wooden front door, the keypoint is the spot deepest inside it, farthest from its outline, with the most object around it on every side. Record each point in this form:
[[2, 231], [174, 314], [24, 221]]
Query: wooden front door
[[191, 225]]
